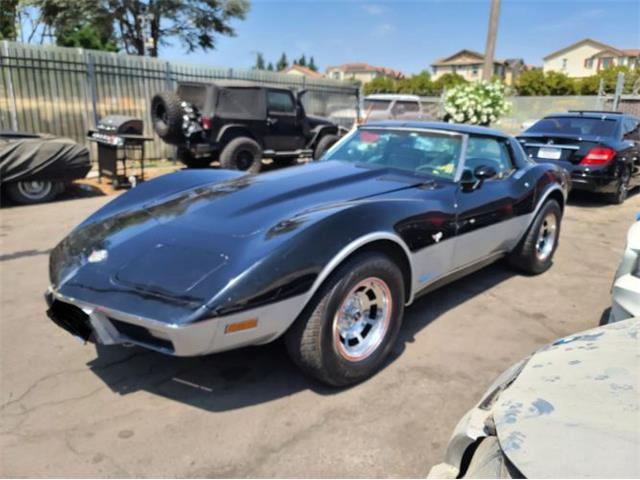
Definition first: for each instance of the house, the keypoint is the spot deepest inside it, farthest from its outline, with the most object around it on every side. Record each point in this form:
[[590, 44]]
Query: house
[[362, 72], [587, 57], [301, 71], [470, 65]]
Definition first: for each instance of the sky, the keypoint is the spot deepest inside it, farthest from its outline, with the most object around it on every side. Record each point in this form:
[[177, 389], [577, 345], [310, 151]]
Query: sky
[[408, 35]]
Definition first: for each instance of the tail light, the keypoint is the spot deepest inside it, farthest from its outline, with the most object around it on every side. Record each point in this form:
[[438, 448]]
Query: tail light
[[207, 123], [598, 156]]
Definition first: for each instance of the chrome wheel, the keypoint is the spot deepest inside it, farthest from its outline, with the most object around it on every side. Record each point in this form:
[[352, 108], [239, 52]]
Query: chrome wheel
[[547, 237], [35, 190], [362, 321]]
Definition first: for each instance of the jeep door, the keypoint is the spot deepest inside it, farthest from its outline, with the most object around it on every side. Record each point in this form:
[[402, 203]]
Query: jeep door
[[284, 129]]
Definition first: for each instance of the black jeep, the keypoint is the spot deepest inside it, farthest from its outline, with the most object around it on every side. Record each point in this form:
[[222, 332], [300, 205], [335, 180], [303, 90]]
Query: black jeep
[[239, 125]]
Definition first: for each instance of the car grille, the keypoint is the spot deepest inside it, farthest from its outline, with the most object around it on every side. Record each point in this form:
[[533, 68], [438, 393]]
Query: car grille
[[71, 318]]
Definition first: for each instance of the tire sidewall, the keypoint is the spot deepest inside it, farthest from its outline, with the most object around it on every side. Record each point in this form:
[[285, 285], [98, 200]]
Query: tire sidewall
[[324, 144], [538, 265], [15, 193], [622, 190], [228, 156], [336, 366]]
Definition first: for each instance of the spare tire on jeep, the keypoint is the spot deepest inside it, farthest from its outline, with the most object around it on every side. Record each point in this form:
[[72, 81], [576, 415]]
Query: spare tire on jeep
[[166, 116]]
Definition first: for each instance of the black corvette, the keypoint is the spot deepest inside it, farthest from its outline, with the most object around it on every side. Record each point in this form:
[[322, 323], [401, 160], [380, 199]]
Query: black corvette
[[327, 254]]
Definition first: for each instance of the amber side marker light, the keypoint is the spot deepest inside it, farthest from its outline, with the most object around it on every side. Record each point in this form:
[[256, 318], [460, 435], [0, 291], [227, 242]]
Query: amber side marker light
[[243, 325]]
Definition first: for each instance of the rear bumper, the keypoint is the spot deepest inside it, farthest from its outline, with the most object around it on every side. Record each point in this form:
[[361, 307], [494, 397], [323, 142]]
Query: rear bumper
[[108, 327], [594, 181]]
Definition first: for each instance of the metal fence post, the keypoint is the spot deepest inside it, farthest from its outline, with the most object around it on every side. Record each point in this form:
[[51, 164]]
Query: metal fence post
[[618, 94], [10, 92], [92, 87], [168, 80]]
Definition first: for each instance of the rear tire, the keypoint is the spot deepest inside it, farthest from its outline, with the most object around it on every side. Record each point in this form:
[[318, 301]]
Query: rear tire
[[166, 116], [534, 253], [324, 144], [186, 157], [30, 193], [349, 328], [622, 189], [242, 153]]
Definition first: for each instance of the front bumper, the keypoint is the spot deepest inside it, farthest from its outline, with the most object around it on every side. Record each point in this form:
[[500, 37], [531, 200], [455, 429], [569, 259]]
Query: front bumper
[[109, 327]]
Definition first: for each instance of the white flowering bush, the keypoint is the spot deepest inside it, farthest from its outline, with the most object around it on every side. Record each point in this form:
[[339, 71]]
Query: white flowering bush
[[478, 103]]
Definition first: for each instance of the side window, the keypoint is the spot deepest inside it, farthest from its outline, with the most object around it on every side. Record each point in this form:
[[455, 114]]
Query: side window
[[631, 130], [410, 107], [278, 101], [491, 152]]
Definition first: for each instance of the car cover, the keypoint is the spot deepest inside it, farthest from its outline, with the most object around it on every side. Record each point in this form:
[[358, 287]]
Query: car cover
[[27, 157]]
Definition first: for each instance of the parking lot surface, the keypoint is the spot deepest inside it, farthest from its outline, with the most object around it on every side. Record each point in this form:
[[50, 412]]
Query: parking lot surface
[[71, 411]]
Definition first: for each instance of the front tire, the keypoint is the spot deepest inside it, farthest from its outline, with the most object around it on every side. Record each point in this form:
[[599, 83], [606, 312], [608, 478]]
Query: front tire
[[324, 144], [348, 330], [534, 253], [242, 153]]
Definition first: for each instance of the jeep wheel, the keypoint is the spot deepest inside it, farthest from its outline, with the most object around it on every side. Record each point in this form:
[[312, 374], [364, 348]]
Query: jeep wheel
[[242, 153], [186, 157], [166, 116], [324, 144]]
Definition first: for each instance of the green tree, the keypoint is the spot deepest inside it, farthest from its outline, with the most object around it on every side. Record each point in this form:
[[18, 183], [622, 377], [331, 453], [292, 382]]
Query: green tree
[[312, 64], [142, 26], [270, 67], [419, 84], [559, 83], [448, 81], [532, 82], [302, 61], [259, 62], [8, 20], [283, 63], [380, 85]]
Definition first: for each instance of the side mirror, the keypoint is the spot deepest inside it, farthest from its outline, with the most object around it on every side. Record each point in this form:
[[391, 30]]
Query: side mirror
[[484, 172], [473, 180]]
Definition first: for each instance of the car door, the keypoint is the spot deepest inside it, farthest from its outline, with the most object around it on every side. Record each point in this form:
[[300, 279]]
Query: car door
[[631, 134], [487, 220], [284, 131]]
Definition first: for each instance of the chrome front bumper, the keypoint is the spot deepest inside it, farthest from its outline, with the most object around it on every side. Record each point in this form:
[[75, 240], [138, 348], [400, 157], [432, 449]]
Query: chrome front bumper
[[110, 327]]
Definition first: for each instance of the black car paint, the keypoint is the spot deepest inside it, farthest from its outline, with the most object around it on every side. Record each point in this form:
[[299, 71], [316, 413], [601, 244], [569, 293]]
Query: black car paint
[[198, 244], [597, 179]]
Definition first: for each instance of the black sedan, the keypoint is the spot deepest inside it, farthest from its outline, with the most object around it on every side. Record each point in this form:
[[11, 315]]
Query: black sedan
[[327, 254], [601, 150]]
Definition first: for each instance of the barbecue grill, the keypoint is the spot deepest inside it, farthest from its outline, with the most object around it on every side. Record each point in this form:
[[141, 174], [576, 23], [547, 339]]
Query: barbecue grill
[[119, 138]]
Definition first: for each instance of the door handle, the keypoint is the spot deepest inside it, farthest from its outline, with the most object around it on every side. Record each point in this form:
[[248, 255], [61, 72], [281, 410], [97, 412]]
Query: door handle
[[271, 121]]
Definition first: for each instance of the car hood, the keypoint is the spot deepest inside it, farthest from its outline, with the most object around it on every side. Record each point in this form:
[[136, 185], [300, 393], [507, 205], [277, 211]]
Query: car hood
[[181, 247], [574, 410]]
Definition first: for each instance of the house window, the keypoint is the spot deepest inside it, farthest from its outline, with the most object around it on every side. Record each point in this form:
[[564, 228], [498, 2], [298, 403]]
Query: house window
[[564, 63], [607, 62], [621, 60], [588, 63]]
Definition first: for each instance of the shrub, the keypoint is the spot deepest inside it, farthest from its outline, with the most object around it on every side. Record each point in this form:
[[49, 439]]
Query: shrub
[[479, 103]]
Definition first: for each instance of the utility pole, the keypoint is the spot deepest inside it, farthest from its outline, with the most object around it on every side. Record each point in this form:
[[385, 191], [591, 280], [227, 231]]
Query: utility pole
[[487, 69]]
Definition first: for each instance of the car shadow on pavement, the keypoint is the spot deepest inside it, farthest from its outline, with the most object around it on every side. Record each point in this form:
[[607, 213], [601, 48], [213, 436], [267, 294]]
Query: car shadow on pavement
[[249, 376]]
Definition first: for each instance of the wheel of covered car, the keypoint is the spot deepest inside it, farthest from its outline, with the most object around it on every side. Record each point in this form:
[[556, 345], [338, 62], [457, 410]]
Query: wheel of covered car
[[324, 144], [186, 157], [27, 193], [622, 187], [349, 328], [534, 253], [242, 153], [166, 116]]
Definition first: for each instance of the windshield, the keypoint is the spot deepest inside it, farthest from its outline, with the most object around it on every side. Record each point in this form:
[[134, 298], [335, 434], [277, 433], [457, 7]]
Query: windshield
[[596, 127], [430, 153]]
